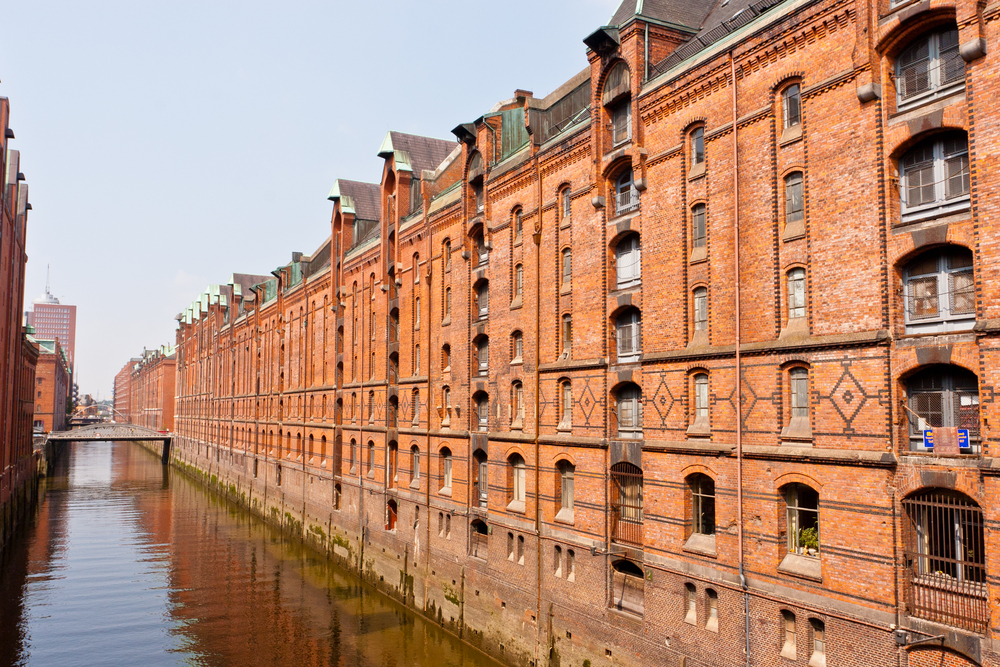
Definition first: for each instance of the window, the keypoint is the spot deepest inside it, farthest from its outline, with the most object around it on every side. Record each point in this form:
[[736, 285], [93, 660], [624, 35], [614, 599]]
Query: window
[[447, 303], [567, 334], [698, 147], [416, 312], [701, 309], [796, 293], [799, 426], [480, 539], [392, 474], [626, 504], [930, 67], [371, 458], [416, 359], [354, 449], [482, 251], [712, 603], [446, 357], [627, 587], [802, 506], [628, 331], [416, 407], [818, 657], [518, 282], [447, 255], [570, 565], [517, 222], [483, 299], [628, 264], [565, 405], [791, 103], [566, 472], [621, 122], [626, 196], [566, 207], [482, 412], [446, 469], [483, 355], [945, 556], [702, 504], [520, 549], [371, 407], [616, 99], [934, 177], [794, 204], [690, 604], [510, 547], [415, 466], [699, 235], [557, 561], [940, 292], [446, 406], [567, 268], [482, 478], [517, 403], [788, 635], [516, 464], [940, 398], [518, 340], [629, 406]]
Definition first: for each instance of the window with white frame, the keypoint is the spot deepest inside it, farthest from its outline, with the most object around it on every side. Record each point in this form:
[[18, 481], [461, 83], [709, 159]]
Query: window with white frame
[[516, 464], [567, 334], [799, 425], [796, 293], [794, 204], [517, 402], [483, 355], [629, 407], [518, 281], [701, 399], [567, 268], [702, 504], [626, 195], [934, 177], [940, 291], [566, 472], [517, 222], [697, 149], [518, 341], [628, 332], [483, 299], [628, 261], [565, 404], [701, 309], [447, 302], [446, 469], [566, 206], [929, 68], [482, 412], [791, 103]]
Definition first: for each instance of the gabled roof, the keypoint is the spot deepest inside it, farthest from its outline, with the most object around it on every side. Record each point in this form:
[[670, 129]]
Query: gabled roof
[[244, 281], [366, 199], [688, 13], [425, 152]]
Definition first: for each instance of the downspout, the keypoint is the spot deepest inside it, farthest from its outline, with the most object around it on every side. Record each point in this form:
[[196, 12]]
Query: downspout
[[537, 238], [430, 382], [739, 382]]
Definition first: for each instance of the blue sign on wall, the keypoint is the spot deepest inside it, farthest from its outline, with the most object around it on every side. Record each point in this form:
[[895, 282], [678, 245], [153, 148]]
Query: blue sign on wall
[[963, 439]]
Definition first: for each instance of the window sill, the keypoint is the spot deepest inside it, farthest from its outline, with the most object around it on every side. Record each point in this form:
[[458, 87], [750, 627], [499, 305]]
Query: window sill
[[516, 506], [415, 484], [700, 428], [564, 223], [795, 326], [788, 652], [805, 567], [936, 210], [565, 289], [518, 240], [516, 303], [516, 361], [446, 321], [697, 171], [698, 255], [790, 135], [817, 660], [517, 425], [794, 230], [564, 428], [797, 432], [927, 98], [701, 544], [445, 491], [565, 516], [712, 625]]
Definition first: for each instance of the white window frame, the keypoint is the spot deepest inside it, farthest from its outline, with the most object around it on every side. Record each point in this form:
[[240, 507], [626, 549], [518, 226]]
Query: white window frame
[[942, 283], [701, 309], [937, 60], [483, 356], [942, 203], [629, 402], [796, 293], [792, 92], [628, 261], [628, 336]]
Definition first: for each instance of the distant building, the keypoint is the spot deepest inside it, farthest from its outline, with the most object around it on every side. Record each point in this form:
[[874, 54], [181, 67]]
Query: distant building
[[123, 391], [151, 400], [54, 320], [52, 386]]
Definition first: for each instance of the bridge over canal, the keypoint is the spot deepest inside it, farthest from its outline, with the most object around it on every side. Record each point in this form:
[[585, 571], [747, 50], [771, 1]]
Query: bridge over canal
[[110, 431]]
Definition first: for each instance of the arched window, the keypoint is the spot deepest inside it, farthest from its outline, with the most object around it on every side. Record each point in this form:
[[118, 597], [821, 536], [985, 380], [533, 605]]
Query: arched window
[[799, 426], [482, 250], [483, 299], [354, 454], [516, 487], [518, 282], [371, 406], [700, 309], [446, 406], [416, 266], [480, 539], [628, 587], [447, 303], [794, 204], [371, 458], [416, 407], [796, 293], [481, 478], [567, 334], [565, 405], [712, 609], [566, 206], [788, 645], [517, 222], [476, 180], [517, 404], [791, 106], [626, 504], [690, 604], [700, 424], [565, 490], [517, 339], [482, 414], [392, 474], [629, 409], [483, 355], [697, 147], [414, 466], [802, 519], [940, 291], [391, 512], [567, 268], [445, 469], [626, 196], [617, 102], [940, 398], [628, 261], [945, 555], [929, 67], [699, 231], [446, 357], [934, 177], [628, 334], [818, 630], [702, 489]]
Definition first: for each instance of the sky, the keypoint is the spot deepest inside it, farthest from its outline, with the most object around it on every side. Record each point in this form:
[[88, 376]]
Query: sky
[[170, 144]]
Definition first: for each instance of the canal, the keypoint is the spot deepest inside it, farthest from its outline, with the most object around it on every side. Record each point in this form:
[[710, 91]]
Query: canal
[[127, 562]]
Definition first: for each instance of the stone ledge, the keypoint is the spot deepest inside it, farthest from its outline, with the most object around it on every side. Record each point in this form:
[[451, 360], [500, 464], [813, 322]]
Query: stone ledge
[[834, 456]]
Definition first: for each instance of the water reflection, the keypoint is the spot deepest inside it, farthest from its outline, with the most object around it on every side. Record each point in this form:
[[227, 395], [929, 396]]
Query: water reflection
[[128, 564]]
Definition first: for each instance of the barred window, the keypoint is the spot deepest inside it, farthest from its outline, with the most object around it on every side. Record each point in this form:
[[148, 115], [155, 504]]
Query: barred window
[[940, 292], [929, 68], [934, 177], [944, 397], [626, 504]]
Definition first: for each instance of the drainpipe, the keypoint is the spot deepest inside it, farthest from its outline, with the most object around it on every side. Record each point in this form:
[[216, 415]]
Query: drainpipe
[[430, 386], [537, 238], [739, 382]]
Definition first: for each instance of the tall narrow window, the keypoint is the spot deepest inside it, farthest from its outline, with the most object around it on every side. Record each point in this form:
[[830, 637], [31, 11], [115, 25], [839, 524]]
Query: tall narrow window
[[616, 100], [802, 505], [567, 334], [929, 68], [416, 407], [701, 309], [567, 475], [712, 602], [621, 122], [628, 333], [517, 403], [416, 359], [518, 348], [629, 409], [483, 299], [482, 250], [447, 302], [690, 604], [566, 208], [518, 281], [446, 406], [794, 206], [566, 405], [797, 293], [626, 195], [371, 458], [483, 355], [447, 255], [517, 224], [935, 177], [700, 425], [699, 234], [415, 465], [567, 268], [799, 381], [628, 264], [818, 656], [446, 469], [446, 357], [792, 106], [698, 146], [483, 412], [626, 504], [702, 504], [516, 464], [416, 312], [788, 635]]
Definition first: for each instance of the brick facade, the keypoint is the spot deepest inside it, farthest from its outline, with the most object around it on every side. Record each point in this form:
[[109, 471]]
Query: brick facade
[[151, 389], [52, 386], [746, 270]]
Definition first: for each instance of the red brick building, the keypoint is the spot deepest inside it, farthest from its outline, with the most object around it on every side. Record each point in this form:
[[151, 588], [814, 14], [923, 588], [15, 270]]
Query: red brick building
[[52, 386], [689, 362], [151, 389], [123, 390], [17, 354]]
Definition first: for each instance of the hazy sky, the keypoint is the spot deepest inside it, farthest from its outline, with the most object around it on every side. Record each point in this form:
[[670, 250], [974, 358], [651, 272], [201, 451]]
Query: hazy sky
[[170, 144]]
